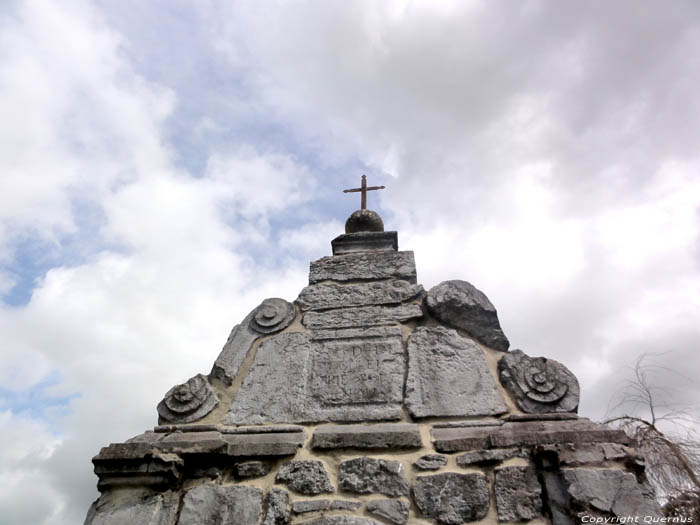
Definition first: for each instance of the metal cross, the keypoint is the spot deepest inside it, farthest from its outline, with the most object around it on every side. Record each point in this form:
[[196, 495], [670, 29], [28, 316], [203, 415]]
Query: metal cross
[[364, 189]]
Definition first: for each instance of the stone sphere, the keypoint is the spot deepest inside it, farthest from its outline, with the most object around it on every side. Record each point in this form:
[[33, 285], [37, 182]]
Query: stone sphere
[[364, 221]]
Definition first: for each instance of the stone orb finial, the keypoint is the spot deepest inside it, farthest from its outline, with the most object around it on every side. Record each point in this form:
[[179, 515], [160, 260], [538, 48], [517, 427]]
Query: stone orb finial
[[364, 221]]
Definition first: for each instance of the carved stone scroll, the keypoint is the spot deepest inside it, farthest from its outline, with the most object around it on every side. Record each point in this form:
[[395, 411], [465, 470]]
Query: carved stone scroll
[[189, 401], [539, 385]]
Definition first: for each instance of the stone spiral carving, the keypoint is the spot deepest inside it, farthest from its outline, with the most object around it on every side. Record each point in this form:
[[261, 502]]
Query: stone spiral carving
[[272, 316], [189, 401], [539, 385]]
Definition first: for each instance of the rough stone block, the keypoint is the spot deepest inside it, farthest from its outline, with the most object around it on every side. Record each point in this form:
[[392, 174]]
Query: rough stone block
[[368, 475], [460, 304], [156, 509], [484, 457], [311, 505], [224, 505], [430, 462], [448, 376], [362, 316], [341, 520], [365, 241], [364, 266], [305, 477], [252, 469], [539, 385], [277, 507], [456, 439], [385, 435], [331, 295], [610, 490], [264, 444], [343, 504], [294, 379], [452, 498], [518, 494], [542, 432], [392, 510]]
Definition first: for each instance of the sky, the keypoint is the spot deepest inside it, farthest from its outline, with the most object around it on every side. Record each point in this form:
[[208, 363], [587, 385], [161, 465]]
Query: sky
[[167, 165]]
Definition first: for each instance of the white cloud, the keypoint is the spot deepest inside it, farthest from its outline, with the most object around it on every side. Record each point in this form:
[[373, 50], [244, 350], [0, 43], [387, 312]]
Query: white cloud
[[545, 152]]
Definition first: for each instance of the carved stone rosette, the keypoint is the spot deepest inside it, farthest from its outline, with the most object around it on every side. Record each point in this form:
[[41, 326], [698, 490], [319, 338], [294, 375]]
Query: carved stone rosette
[[272, 316], [189, 401], [539, 385]]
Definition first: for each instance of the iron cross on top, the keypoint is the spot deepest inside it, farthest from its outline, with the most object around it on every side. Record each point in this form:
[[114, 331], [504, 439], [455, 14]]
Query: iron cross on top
[[364, 189]]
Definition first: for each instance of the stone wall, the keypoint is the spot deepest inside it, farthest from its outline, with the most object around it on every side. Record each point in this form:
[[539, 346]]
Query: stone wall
[[371, 401]]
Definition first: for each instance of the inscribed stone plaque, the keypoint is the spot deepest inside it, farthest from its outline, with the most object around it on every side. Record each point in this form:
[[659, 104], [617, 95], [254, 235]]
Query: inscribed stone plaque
[[356, 372], [296, 379], [448, 376]]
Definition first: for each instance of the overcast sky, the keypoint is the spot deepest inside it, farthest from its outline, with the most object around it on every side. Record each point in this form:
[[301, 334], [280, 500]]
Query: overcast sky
[[165, 166]]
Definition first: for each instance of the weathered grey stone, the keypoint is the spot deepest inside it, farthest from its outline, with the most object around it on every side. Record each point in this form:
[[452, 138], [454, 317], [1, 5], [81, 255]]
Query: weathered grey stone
[[356, 333], [460, 304], [331, 295], [610, 490], [142, 467], [518, 494], [341, 520], [538, 385], [305, 477], [456, 439], [575, 431], [448, 376], [496, 455], [189, 401], [384, 435], [336, 380], [252, 469], [569, 454], [452, 498], [364, 241], [343, 504], [364, 266], [272, 315], [362, 316], [221, 504], [277, 507], [154, 509], [511, 434], [311, 505], [430, 462], [392, 510], [368, 475]]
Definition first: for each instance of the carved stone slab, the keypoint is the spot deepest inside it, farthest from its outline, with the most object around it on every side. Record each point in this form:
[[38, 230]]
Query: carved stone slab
[[388, 435], [365, 241], [460, 304], [296, 380], [525, 433], [364, 266], [272, 315], [225, 505], [324, 296], [157, 509], [448, 376], [362, 316], [539, 385]]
